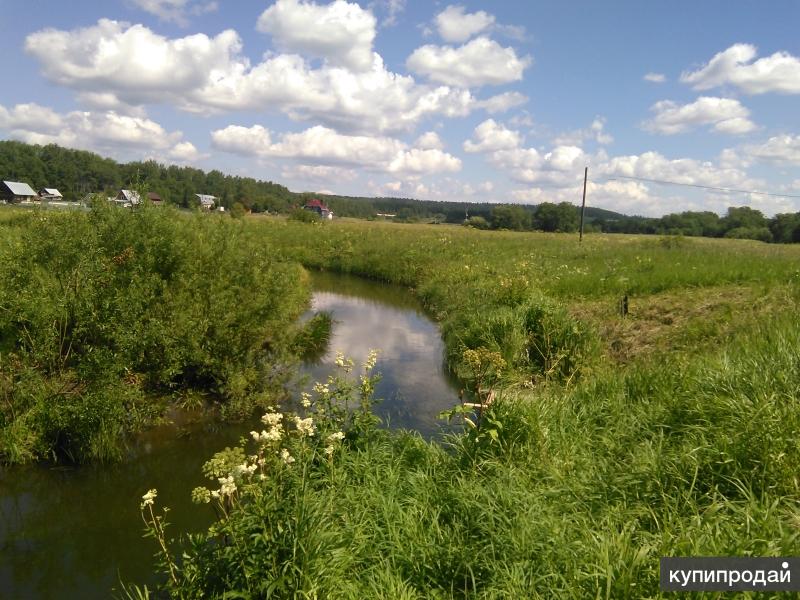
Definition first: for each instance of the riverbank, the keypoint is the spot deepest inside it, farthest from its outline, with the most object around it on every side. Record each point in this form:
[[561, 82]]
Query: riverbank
[[584, 472], [108, 318], [76, 531]]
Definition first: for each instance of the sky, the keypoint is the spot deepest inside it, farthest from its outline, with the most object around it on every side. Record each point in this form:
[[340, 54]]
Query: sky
[[471, 101]]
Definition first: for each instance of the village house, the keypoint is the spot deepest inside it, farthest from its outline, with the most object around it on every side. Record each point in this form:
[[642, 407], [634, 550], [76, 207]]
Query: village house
[[154, 198], [128, 198], [50, 194], [14, 191], [319, 207], [207, 202]]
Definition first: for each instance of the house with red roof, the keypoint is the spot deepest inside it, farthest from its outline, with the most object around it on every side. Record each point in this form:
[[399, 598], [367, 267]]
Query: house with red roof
[[319, 207]]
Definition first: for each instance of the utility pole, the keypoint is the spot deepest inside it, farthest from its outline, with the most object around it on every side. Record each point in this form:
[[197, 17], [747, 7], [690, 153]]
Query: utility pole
[[583, 205]]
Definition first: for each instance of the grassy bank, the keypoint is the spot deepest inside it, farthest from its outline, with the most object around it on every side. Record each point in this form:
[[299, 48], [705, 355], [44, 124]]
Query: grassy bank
[[613, 440], [106, 318]]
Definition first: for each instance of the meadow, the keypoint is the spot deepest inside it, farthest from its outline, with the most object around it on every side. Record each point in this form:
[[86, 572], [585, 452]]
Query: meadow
[[614, 439]]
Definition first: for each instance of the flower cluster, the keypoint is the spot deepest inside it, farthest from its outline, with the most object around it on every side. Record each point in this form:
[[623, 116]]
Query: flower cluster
[[305, 426], [147, 499]]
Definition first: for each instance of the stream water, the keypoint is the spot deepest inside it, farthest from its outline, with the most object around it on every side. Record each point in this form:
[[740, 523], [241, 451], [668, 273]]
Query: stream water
[[76, 532]]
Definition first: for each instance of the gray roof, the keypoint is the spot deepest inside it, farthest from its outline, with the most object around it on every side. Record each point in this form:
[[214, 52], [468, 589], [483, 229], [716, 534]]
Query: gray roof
[[52, 192], [19, 189]]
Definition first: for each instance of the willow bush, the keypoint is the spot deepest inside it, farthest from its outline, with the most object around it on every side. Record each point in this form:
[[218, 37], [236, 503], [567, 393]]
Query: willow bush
[[103, 315]]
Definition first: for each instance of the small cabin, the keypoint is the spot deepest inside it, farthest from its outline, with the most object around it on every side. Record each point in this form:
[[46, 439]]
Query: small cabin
[[15, 191], [207, 202], [319, 207], [155, 199], [50, 194], [128, 198]]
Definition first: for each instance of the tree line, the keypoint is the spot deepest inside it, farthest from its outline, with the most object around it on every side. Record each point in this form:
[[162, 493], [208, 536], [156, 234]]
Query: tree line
[[77, 173]]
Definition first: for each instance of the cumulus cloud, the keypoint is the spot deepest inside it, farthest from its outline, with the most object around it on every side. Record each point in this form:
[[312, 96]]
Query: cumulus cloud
[[322, 146], [429, 140], [596, 132], [319, 173], [176, 11], [340, 32], [456, 25], [491, 136], [209, 74], [479, 62], [737, 66], [780, 149], [108, 132], [502, 102], [723, 115], [655, 77]]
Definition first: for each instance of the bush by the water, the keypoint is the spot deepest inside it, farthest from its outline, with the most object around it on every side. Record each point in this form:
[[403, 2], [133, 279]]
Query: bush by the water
[[102, 315]]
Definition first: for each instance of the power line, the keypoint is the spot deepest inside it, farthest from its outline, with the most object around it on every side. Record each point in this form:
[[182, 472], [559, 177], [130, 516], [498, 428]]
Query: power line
[[704, 187]]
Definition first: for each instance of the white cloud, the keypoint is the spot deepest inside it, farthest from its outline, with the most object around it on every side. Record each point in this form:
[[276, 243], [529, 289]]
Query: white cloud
[[736, 66], [454, 25], [655, 77], [176, 11], [491, 136], [393, 9], [341, 33], [502, 102], [322, 146], [479, 62], [653, 165], [723, 115], [185, 152], [201, 74], [429, 140], [107, 132], [319, 173], [781, 149], [595, 131]]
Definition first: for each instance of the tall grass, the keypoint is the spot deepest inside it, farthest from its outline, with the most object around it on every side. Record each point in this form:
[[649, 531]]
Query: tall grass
[[576, 495]]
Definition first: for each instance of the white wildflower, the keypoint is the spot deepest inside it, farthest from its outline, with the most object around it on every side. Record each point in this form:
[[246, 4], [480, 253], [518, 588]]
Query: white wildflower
[[372, 359], [305, 426], [286, 457], [339, 359], [245, 469], [336, 437], [328, 450], [322, 388], [227, 485], [306, 401], [271, 419], [147, 499]]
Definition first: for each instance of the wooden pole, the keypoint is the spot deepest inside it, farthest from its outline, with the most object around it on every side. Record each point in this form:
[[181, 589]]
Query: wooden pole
[[583, 205]]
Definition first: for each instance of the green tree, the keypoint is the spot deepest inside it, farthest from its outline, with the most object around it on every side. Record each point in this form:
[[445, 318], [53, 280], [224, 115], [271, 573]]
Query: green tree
[[556, 217], [511, 216]]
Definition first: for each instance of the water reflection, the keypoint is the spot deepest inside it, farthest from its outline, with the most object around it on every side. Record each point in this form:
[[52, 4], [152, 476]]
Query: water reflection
[[415, 385]]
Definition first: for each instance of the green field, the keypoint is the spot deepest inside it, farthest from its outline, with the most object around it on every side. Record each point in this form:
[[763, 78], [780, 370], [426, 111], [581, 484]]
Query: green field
[[613, 440]]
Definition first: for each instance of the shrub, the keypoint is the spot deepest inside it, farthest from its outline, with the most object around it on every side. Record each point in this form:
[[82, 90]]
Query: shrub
[[107, 306]]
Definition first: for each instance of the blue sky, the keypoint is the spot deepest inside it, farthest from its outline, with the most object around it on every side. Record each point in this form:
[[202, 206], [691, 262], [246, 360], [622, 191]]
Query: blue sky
[[476, 101]]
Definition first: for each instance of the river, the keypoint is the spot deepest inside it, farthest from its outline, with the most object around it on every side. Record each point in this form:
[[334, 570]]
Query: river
[[76, 532]]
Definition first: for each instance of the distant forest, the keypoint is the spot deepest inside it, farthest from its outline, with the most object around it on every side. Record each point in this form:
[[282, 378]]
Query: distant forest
[[77, 173]]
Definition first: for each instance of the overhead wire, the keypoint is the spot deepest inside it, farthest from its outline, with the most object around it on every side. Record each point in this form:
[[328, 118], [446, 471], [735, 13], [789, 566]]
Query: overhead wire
[[704, 187]]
